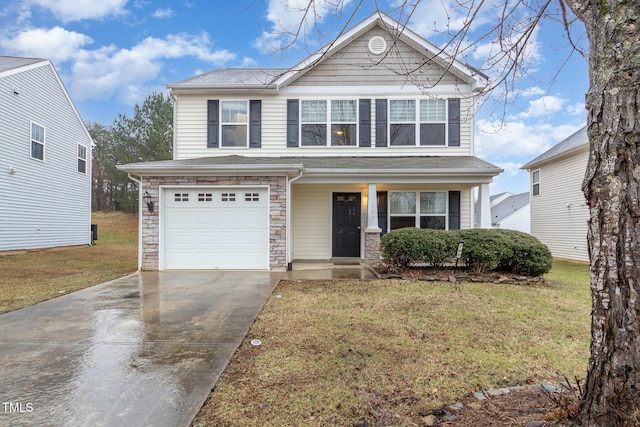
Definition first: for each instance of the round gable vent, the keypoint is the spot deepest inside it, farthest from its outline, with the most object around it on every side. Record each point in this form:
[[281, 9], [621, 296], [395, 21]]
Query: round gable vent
[[377, 45]]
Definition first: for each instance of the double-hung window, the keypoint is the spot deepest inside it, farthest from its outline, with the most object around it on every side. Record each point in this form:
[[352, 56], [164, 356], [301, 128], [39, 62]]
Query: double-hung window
[[82, 158], [37, 141], [328, 123], [402, 122], [426, 209], [233, 120], [313, 118], [535, 182], [417, 122], [433, 120], [344, 119]]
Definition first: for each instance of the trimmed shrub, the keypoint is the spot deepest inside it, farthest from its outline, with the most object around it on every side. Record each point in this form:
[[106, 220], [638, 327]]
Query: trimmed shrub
[[484, 249], [529, 256], [439, 246], [402, 247]]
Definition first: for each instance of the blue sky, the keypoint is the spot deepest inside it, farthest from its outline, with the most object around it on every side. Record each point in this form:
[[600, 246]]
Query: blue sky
[[111, 54]]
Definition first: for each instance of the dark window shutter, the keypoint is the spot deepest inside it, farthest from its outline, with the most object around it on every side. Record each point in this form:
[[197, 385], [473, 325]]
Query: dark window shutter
[[365, 123], [255, 123], [454, 122], [213, 123], [454, 210], [381, 122], [293, 130]]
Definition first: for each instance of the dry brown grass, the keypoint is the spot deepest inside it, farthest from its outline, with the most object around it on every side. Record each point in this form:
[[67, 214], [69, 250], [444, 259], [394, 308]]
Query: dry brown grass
[[387, 352], [29, 277]]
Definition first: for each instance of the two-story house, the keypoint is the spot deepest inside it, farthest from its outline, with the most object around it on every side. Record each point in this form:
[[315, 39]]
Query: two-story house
[[373, 132], [45, 160]]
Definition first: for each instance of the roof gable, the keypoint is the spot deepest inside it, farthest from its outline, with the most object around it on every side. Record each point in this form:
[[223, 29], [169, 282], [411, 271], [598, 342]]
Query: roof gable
[[431, 52], [11, 64], [573, 142], [508, 206]]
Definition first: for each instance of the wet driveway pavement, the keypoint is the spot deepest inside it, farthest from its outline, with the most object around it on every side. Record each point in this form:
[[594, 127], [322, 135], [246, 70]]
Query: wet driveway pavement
[[144, 350]]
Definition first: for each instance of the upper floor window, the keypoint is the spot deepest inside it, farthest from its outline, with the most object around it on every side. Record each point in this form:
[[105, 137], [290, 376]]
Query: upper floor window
[[37, 141], [324, 123], [411, 121], [233, 121], [535, 182], [82, 158]]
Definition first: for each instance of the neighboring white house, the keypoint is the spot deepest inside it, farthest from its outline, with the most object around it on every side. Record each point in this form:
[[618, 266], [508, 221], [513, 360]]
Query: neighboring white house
[[271, 166], [559, 213], [45, 160], [511, 211]]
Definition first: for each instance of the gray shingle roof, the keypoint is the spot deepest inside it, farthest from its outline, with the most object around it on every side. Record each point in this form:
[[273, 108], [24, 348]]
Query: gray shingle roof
[[508, 206], [400, 164], [11, 62], [232, 77], [576, 140]]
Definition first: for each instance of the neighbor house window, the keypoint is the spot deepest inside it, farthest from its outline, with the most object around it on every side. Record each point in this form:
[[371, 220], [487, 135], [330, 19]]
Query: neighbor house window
[[233, 121], [535, 181], [418, 209], [82, 159], [37, 141]]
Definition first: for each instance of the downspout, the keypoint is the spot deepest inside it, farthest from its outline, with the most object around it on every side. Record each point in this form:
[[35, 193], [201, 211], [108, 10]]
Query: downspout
[[139, 219], [288, 225]]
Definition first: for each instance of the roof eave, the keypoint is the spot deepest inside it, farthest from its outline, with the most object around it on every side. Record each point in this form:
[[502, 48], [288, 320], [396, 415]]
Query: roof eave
[[143, 169]]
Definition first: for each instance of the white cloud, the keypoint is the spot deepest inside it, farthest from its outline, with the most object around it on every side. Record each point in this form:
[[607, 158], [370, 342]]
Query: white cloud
[[77, 10], [500, 140], [577, 109], [163, 13], [292, 20], [544, 106], [106, 71], [55, 43]]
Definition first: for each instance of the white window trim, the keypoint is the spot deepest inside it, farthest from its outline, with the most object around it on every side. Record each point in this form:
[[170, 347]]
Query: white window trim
[[86, 165], [328, 123], [418, 122], [534, 183], [417, 214], [222, 124], [43, 143]]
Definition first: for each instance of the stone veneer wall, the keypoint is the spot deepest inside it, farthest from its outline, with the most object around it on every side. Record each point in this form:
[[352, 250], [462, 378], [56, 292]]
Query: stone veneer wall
[[277, 213], [372, 248]]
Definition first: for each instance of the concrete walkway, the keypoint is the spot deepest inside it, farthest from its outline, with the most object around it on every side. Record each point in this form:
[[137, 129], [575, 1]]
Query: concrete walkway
[[144, 350]]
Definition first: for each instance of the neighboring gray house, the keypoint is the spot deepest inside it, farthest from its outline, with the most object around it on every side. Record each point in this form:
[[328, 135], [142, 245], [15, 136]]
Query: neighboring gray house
[[511, 211], [559, 213], [274, 166], [45, 160]]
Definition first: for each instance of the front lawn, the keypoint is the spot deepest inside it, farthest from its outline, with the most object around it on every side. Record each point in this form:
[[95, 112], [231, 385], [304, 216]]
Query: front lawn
[[30, 277], [387, 351]]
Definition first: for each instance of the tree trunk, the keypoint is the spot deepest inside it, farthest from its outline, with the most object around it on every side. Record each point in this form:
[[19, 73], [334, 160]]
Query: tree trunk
[[611, 396]]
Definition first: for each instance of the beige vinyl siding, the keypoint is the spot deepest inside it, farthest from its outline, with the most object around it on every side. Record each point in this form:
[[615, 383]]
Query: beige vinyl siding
[[191, 131], [559, 214], [312, 210], [354, 65]]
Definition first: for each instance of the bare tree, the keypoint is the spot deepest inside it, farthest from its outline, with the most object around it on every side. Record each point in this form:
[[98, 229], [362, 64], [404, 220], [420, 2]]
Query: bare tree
[[611, 396]]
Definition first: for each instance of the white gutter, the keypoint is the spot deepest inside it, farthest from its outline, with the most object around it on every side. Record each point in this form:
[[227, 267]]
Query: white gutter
[[139, 219], [288, 253]]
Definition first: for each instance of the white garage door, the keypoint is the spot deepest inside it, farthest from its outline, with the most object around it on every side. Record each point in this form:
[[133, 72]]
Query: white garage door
[[216, 228]]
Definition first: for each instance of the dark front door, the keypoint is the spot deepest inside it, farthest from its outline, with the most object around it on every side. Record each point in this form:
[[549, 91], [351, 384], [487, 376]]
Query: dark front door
[[346, 225]]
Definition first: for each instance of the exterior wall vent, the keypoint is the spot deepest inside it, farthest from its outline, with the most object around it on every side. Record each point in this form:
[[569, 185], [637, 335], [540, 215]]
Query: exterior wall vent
[[377, 45]]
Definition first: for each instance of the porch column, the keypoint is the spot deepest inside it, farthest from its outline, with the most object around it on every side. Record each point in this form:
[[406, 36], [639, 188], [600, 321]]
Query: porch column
[[372, 232], [484, 207]]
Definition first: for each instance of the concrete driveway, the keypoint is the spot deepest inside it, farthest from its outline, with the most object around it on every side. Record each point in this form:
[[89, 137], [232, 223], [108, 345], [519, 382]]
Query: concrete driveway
[[144, 350]]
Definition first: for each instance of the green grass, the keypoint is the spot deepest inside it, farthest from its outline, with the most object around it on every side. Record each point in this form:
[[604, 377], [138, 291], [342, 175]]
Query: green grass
[[29, 277], [337, 353]]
